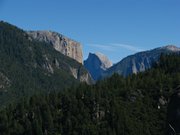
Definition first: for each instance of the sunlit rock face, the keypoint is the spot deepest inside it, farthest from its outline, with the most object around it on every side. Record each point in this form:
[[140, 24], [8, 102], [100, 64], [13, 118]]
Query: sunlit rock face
[[96, 64], [61, 43], [173, 114], [140, 61]]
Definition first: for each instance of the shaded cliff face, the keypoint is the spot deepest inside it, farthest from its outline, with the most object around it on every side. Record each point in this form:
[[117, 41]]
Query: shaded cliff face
[[61, 43], [173, 114], [81, 74], [139, 62], [96, 64]]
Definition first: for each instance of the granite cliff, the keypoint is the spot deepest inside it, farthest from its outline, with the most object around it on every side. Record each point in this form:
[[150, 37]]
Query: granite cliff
[[96, 64], [139, 62], [61, 43]]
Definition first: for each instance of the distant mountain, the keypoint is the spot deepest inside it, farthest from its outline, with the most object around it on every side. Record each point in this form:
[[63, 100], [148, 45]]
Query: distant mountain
[[29, 66], [61, 43], [96, 64], [139, 62]]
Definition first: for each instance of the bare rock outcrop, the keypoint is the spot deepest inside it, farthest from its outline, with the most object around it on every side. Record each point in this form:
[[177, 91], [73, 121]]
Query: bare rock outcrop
[[140, 62], [81, 76], [96, 64], [61, 43]]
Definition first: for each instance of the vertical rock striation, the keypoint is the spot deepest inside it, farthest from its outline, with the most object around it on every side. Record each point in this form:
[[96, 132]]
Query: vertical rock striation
[[140, 62], [61, 43]]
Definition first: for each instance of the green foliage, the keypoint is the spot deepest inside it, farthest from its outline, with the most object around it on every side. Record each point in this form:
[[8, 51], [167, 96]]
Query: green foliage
[[114, 106]]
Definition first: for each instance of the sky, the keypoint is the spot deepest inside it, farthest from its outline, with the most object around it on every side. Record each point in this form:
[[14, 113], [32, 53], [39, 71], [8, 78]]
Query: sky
[[116, 28]]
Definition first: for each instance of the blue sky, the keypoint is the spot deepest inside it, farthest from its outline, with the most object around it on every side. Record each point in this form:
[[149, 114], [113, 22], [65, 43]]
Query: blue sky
[[116, 28]]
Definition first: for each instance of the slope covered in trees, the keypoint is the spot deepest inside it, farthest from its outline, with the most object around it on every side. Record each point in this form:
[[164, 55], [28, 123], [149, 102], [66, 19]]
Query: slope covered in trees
[[29, 67], [135, 105]]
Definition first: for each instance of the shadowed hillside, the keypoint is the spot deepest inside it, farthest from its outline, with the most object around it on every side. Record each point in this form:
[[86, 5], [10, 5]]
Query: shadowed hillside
[[29, 66]]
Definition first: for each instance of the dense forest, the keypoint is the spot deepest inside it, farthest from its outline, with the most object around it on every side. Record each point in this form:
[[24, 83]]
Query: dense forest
[[135, 105]]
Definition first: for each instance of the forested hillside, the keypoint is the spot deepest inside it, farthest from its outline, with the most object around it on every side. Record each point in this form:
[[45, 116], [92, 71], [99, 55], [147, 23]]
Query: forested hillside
[[29, 67], [135, 105]]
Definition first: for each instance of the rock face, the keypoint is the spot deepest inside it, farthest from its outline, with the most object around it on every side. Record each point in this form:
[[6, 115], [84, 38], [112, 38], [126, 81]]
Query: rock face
[[82, 77], [96, 64], [173, 114], [65, 46], [61, 43], [139, 62]]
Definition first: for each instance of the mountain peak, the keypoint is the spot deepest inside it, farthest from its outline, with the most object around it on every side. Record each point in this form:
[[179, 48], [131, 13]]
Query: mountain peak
[[97, 63], [171, 48], [104, 59]]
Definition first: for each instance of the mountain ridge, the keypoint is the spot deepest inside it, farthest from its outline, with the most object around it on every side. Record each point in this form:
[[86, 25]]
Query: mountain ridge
[[140, 61]]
